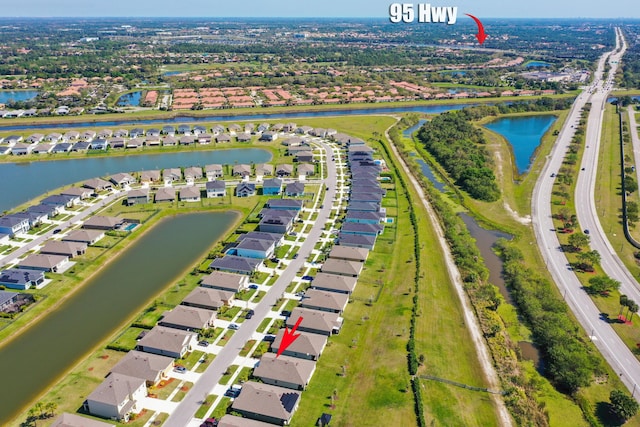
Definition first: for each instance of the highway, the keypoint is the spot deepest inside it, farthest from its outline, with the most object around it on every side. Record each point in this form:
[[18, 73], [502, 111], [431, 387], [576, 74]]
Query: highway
[[601, 333]]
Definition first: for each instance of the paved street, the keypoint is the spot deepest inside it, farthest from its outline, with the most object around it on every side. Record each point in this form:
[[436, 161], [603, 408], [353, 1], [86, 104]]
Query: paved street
[[192, 401], [604, 337]]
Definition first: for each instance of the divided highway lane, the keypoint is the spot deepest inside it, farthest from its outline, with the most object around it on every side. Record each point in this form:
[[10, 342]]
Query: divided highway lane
[[192, 401], [604, 337]]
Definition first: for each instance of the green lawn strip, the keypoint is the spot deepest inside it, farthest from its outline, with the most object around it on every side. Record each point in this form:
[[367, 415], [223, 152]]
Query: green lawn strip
[[224, 380], [245, 294], [182, 391], [127, 339], [247, 347], [222, 408], [261, 349], [263, 325], [243, 375], [291, 304], [191, 359], [258, 296], [281, 251], [204, 407], [276, 326], [160, 419], [228, 313], [151, 315], [137, 420], [208, 358]]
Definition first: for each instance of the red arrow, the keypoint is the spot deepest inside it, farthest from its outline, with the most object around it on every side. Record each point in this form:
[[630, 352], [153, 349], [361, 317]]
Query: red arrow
[[289, 337], [481, 36]]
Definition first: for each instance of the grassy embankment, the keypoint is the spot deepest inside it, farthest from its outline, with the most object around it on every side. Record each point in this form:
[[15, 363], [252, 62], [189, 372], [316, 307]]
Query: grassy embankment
[[372, 343]]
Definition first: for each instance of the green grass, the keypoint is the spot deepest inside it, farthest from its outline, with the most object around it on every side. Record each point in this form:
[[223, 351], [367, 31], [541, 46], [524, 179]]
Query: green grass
[[191, 359], [182, 391], [247, 347], [204, 408], [167, 387], [228, 313], [222, 408], [127, 340], [224, 380], [263, 325]]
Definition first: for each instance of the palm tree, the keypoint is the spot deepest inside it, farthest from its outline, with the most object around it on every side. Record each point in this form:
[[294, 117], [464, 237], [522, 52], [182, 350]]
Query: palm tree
[[623, 303], [633, 308]]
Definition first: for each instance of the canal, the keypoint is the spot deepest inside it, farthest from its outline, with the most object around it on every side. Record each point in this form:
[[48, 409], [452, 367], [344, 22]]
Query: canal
[[40, 177], [41, 355]]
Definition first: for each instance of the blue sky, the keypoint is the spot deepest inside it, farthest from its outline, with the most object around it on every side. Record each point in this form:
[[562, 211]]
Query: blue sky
[[315, 8]]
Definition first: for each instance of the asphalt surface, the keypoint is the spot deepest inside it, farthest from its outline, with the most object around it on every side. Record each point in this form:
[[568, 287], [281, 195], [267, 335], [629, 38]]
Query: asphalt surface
[[192, 401], [601, 333], [635, 140]]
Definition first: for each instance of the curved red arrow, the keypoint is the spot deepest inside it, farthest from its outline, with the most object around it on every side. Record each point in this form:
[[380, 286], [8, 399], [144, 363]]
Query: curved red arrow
[[289, 337], [481, 36]]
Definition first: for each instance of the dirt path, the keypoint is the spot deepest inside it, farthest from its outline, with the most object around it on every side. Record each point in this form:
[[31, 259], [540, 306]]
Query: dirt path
[[525, 220], [469, 317]]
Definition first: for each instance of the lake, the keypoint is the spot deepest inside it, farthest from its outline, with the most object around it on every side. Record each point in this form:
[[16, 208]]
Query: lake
[[524, 134], [40, 177], [131, 99], [17, 95], [37, 358], [428, 109], [538, 64]]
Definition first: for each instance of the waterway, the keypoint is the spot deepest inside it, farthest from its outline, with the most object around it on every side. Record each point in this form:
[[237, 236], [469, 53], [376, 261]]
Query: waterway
[[40, 177], [17, 95], [524, 134], [131, 99], [45, 351], [428, 109], [538, 64]]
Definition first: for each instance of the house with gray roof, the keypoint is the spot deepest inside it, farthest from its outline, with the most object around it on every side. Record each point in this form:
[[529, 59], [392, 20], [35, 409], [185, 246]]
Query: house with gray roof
[[214, 171], [190, 194], [306, 169], [89, 237], [225, 281], [216, 189], [285, 204], [73, 420], [82, 193], [349, 254], [365, 197], [188, 318], [236, 264], [293, 141], [363, 207], [254, 248], [117, 397], [294, 189], [362, 228], [304, 156], [342, 267], [169, 342], [272, 186], [223, 137], [151, 367], [171, 174], [42, 149], [314, 321], [21, 278], [265, 402], [276, 238], [285, 371], [357, 241], [307, 346], [364, 217], [334, 283], [193, 173], [34, 218], [60, 200], [165, 194], [276, 224], [245, 189], [12, 225], [68, 249], [316, 299], [138, 196], [209, 299], [99, 222], [284, 170], [20, 149], [264, 169], [50, 263], [243, 137]]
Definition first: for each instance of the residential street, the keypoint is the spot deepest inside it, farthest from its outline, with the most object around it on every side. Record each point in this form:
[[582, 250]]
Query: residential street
[[604, 337], [192, 401]]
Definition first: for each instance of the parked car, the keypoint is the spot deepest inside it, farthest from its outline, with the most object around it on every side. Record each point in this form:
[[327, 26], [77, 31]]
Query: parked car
[[253, 286], [210, 422], [179, 368], [295, 256], [203, 343], [233, 391], [57, 230], [309, 278], [249, 314], [233, 326], [586, 231], [269, 338]]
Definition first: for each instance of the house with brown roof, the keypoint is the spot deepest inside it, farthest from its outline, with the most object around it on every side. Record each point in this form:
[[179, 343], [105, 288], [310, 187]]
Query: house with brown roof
[[82, 193], [284, 170], [43, 262], [117, 397], [103, 223], [342, 267], [264, 169], [72, 420], [165, 194], [122, 179], [314, 321], [138, 196], [89, 237], [171, 174], [150, 176], [334, 283], [285, 371], [68, 249], [225, 281], [97, 184], [190, 194], [306, 169], [188, 318], [242, 170], [168, 342], [306, 346], [265, 402], [348, 253], [193, 173], [234, 421], [333, 302], [151, 367], [207, 298]]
